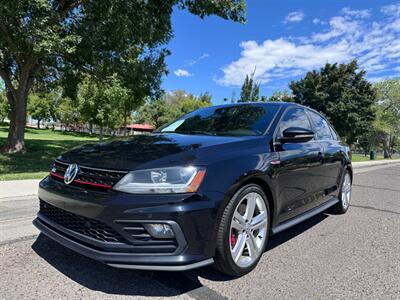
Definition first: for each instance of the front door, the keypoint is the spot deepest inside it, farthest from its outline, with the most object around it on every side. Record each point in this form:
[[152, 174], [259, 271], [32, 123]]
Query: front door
[[300, 174]]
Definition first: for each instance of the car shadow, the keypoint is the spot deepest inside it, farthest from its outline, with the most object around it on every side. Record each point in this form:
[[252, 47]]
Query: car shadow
[[99, 277]]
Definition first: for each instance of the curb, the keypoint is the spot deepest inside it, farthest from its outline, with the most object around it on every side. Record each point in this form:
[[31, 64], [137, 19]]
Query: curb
[[373, 163], [18, 188]]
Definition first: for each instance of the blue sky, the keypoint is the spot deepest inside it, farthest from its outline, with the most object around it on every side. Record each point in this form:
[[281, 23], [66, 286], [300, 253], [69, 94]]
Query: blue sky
[[282, 40]]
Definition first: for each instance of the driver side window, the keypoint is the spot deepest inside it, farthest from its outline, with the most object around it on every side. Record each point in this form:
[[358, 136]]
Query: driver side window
[[294, 117]]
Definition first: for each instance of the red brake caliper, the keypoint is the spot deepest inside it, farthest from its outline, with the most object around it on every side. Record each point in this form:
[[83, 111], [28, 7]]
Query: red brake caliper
[[233, 239]]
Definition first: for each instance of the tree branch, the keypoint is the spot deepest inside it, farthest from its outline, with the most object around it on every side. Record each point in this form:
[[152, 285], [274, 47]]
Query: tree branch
[[12, 45], [67, 9], [7, 80]]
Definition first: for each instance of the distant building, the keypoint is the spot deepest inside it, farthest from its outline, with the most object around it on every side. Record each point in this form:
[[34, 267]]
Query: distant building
[[139, 128]]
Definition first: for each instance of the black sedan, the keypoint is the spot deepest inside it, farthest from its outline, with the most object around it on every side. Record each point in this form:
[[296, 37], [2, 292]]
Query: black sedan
[[210, 187]]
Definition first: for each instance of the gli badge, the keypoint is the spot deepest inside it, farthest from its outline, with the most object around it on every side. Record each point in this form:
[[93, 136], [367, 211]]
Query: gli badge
[[71, 173]]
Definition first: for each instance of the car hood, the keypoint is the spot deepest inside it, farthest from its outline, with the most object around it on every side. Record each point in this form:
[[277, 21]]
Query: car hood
[[147, 151]]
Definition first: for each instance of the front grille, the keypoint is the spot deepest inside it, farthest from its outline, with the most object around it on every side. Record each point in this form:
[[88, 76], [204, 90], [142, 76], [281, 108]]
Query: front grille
[[86, 226], [88, 177], [138, 240]]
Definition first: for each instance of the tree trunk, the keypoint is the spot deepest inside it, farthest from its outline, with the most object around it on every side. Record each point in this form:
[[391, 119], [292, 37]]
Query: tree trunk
[[125, 120], [15, 140], [18, 100], [38, 124], [101, 133], [386, 148]]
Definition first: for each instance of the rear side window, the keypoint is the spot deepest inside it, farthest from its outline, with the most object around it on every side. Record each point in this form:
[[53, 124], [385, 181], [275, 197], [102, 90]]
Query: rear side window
[[321, 126], [294, 117], [334, 134]]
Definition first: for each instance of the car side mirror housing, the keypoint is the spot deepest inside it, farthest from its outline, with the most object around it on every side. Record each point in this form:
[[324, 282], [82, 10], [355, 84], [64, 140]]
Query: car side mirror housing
[[296, 135]]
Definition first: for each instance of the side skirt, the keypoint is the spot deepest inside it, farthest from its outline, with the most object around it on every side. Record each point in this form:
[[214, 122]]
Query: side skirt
[[304, 216]]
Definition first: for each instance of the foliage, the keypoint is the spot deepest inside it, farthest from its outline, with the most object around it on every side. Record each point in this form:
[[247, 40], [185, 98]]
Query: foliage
[[171, 106], [388, 96], [49, 40], [157, 113], [342, 94], [191, 103], [250, 91], [100, 102], [42, 106], [68, 111], [386, 127], [4, 106], [281, 96]]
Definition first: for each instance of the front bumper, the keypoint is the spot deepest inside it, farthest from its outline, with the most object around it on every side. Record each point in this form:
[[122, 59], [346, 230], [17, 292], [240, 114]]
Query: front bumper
[[192, 217]]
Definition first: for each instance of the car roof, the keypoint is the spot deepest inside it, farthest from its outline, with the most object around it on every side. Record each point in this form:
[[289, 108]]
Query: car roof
[[281, 104]]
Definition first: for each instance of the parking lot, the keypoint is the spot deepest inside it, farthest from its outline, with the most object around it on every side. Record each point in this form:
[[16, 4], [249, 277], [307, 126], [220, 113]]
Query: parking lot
[[351, 256]]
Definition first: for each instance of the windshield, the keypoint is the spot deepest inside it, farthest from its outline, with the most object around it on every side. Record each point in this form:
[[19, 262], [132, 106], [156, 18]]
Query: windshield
[[233, 120]]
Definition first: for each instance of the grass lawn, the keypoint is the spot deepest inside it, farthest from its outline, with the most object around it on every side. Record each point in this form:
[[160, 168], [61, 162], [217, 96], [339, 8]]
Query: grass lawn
[[42, 147], [362, 157]]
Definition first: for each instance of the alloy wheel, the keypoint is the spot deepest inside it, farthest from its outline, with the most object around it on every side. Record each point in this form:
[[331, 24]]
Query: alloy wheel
[[346, 191], [248, 231]]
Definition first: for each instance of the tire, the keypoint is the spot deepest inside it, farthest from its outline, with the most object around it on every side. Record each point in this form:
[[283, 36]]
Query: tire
[[256, 225], [344, 195]]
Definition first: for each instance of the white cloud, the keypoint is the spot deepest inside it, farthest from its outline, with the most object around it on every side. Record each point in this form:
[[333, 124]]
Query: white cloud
[[349, 35], [182, 73], [204, 55], [391, 10], [294, 17], [192, 62], [364, 13], [317, 21], [338, 26]]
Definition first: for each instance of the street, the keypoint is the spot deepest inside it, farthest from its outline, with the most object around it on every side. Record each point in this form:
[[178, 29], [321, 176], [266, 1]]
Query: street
[[351, 256]]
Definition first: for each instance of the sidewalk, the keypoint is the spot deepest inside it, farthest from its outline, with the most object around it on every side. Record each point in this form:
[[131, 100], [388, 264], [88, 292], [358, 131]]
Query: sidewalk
[[19, 188]]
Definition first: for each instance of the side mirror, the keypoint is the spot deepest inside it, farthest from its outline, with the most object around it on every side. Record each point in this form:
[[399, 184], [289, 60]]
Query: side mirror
[[296, 135]]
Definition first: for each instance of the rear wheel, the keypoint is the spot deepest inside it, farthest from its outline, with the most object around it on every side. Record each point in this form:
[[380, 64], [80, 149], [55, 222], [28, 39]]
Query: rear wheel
[[344, 195], [243, 232]]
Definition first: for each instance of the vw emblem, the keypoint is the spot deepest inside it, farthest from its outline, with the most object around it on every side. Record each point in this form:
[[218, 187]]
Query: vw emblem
[[71, 173]]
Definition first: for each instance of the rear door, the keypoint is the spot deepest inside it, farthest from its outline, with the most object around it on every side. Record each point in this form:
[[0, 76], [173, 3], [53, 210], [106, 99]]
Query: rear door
[[333, 156], [299, 175]]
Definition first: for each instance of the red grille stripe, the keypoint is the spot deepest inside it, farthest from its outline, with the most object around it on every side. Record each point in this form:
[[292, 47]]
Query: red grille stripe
[[83, 182], [56, 175], [93, 184]]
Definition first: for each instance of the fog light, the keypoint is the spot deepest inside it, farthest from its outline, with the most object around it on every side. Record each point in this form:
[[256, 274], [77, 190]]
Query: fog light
[[160, 231]]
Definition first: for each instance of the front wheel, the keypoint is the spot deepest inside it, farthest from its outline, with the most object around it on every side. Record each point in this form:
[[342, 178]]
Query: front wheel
[[344, 195], [243, 231]]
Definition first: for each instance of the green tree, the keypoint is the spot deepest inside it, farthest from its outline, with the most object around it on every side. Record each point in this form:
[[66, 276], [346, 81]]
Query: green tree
[[171, 106], [67, 112], [250, 91], [192, 103], [386, 127], [341, 93], [56, 39], [41, 106], [157, 113], [281, 96], [4, 107], [99, 103]]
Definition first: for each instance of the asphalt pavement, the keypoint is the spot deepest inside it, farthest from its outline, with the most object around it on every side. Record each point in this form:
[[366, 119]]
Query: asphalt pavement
[[351, 256]]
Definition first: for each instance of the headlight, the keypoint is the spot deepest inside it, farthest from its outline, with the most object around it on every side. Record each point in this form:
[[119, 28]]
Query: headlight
[[162, 181]]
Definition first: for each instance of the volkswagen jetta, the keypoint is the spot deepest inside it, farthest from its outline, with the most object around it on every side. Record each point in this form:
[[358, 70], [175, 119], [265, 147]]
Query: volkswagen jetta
[[210, 187]]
